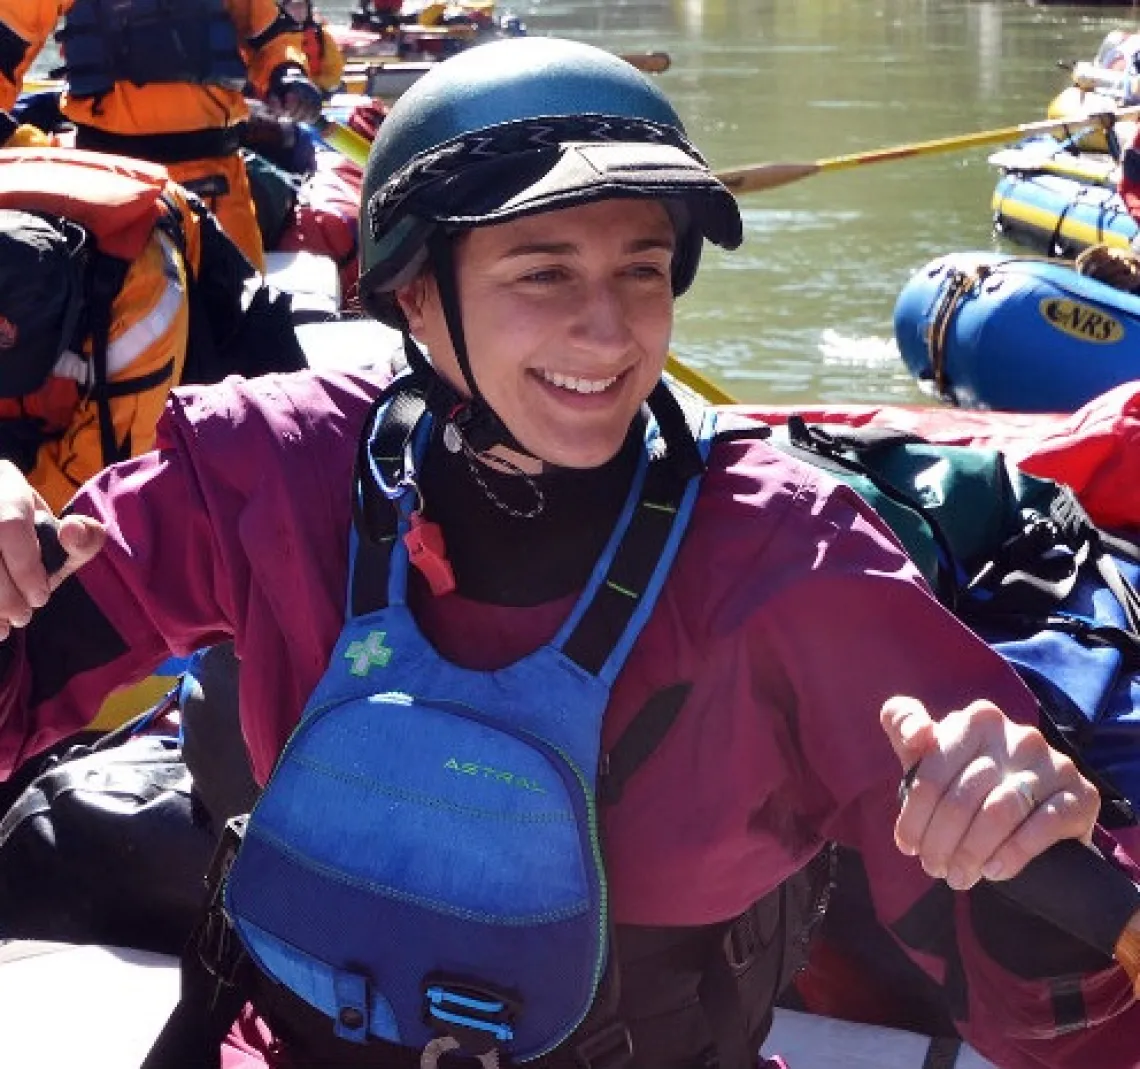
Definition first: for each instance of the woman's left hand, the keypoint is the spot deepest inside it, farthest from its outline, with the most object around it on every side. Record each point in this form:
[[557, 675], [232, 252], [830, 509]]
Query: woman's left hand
[[982, 795]]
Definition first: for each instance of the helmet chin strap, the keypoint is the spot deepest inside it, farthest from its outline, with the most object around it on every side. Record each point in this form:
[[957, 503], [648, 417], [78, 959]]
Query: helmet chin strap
[[473, 419]]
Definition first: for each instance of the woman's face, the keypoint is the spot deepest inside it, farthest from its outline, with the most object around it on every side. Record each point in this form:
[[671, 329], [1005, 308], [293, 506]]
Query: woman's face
[[567, 317]]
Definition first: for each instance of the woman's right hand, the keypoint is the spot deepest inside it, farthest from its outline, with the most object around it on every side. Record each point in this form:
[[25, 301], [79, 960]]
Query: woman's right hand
[[25, 584]]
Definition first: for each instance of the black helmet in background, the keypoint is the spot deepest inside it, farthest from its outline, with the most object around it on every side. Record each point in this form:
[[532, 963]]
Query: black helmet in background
[[41, 296]]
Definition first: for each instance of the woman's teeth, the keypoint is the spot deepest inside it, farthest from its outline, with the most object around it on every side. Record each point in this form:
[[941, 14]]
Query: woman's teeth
[[578, 385]]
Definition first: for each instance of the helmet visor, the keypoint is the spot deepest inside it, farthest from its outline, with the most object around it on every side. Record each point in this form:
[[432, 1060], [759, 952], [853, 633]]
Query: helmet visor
[[575, 173], [531, 167]]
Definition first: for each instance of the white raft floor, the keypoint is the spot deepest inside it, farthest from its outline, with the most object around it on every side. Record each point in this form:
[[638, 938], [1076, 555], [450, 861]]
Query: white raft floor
[[91, 1007]]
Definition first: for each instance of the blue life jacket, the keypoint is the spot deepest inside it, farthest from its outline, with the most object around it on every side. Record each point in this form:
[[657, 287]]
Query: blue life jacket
[[148, 42], [424, 864], [672, 997]]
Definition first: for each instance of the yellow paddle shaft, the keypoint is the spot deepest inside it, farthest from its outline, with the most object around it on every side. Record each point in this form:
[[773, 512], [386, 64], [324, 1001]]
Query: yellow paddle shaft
[[761, 176]]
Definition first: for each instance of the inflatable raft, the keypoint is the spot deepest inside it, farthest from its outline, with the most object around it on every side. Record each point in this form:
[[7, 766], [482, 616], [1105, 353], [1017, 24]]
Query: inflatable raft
[[1074, 100], [1051, 155], [1058, 214], [998, 332]]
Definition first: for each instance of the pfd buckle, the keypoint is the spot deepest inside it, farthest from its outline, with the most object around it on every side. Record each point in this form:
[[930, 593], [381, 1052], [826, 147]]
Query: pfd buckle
[[472, 1019]]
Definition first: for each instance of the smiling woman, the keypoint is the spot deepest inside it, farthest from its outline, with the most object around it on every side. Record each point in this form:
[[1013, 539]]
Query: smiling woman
[[583, 323], [567, 333], [529, 556]]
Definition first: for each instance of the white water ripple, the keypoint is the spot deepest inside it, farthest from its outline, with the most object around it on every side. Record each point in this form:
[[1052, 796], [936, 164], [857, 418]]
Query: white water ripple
[[849, 350]]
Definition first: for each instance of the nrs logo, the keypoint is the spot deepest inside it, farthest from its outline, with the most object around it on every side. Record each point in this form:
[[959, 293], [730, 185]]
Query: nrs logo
[[508, 779], [1082, 321]]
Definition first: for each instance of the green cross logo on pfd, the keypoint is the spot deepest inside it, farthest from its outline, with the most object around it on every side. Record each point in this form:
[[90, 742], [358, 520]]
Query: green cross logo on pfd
[[368, 653], [1081, 321]]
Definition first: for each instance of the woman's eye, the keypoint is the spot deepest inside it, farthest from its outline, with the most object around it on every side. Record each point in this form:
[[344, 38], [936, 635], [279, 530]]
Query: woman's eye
[[649, 270], [544, 274]]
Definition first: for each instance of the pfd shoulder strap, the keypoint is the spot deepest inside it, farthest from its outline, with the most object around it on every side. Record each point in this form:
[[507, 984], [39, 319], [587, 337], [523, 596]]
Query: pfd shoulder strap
[[384, 456], [601, 632]]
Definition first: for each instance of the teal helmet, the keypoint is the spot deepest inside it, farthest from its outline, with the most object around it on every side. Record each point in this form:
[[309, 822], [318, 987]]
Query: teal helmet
[[523, 126]]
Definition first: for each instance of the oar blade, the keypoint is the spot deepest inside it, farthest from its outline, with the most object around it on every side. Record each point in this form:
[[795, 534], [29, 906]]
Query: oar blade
[[763, 176], [648, 62]]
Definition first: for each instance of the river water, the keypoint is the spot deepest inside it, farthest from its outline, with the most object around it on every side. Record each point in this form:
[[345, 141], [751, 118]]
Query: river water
[[803, 311]]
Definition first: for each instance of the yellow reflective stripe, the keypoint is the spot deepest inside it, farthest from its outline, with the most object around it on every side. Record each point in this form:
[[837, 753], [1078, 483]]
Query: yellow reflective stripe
[[140, 336]]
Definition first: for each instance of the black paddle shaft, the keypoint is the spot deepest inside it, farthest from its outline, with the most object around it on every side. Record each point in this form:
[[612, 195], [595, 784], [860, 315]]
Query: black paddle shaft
[[1077, 891], [51, 552]]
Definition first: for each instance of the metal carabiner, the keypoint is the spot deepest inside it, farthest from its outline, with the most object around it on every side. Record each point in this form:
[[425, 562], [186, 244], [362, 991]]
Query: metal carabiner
[[437, 1048]]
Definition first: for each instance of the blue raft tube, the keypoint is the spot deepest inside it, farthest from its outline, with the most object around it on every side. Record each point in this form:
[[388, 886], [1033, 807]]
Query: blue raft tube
[[984, 330]]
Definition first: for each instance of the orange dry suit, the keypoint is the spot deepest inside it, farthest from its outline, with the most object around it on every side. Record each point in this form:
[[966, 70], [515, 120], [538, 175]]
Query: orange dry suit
[[325, 58], [105, 393], [134, 88]]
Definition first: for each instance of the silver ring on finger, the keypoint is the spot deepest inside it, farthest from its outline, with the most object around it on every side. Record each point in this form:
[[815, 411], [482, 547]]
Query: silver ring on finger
[[907, 782], [1023, 785]]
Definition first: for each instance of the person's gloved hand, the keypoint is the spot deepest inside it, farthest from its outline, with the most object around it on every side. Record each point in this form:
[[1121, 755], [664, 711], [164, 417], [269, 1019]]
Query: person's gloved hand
[[292, 94]]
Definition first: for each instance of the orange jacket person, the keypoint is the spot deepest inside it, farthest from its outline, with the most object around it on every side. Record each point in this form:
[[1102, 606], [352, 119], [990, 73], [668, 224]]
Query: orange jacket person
[[96, 255], [326, 60], [134, 89]]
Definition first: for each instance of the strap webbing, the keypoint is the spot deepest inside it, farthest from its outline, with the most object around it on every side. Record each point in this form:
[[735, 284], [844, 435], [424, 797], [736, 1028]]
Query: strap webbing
[[635, 561], [942, 1053], [139, 384], [214, 977], [385, 450], [640, 740], [105, 279], [720, 999]]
